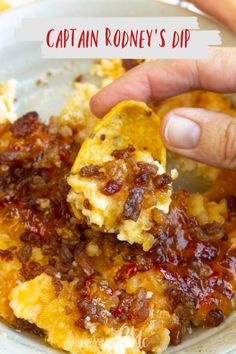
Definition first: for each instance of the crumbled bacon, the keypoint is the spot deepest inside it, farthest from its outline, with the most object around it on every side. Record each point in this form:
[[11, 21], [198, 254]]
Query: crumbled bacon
[[133, 205], [212, 232], [162, 181], [25, 125], [65, 254], [91, 171], [147, 168], [132, 308], [197, 263], [112, 187], [214, 318], [123, 153], [58, 285], [24, 253]]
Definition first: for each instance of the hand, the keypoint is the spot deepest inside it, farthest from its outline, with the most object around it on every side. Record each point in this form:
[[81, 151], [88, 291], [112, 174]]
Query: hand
[[222, 10], [203, 135]]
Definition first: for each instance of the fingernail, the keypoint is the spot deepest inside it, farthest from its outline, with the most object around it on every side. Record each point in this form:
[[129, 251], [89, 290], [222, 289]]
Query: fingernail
[[182, 133]]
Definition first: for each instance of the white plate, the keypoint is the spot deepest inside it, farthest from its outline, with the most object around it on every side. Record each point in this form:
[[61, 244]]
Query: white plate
[[23, 62]]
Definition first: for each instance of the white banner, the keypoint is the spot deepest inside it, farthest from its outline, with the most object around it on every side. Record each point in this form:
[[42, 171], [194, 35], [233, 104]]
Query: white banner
[[116, 37]]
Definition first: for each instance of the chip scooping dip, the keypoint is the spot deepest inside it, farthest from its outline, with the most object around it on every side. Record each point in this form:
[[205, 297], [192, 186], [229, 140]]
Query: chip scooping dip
[[118, 180]]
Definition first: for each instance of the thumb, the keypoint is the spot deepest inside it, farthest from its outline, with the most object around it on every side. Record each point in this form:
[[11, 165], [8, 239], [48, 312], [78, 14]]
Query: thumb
[[202, 135]]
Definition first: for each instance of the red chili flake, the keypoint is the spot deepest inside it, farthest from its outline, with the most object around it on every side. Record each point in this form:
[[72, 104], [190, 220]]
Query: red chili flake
[[133, 205], [123, 153], [91, 171], [112, 187], [126, 272], [25, 125]]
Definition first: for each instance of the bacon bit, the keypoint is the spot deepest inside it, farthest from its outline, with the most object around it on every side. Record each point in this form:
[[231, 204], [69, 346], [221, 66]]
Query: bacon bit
[[126, 272], [65, 254], [87, 204], [133, 204], [91, 171], [141, 179], [213, 228], [103, 137], [25, 125], [148, 168], [133, 308], [161, 181], [214, 318], [211, 232], [32, 238], [123, 153], [176, 334], [111, 187], [122, 311], [24, 253], [6, 255], [58, 285]]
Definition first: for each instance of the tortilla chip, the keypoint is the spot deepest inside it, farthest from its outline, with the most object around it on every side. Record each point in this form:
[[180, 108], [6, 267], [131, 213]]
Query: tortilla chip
[[128, 124]]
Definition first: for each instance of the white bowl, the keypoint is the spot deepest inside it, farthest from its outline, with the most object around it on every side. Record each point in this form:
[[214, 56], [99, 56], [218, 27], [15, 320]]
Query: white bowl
[[23, 62]]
